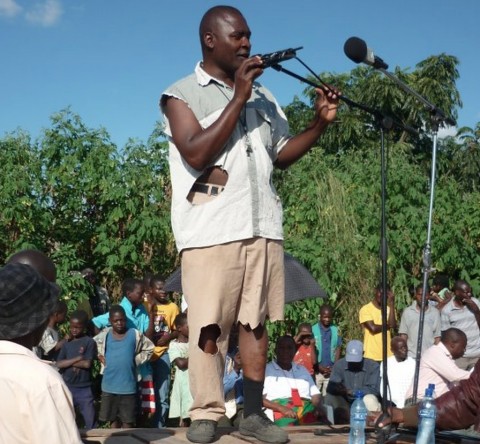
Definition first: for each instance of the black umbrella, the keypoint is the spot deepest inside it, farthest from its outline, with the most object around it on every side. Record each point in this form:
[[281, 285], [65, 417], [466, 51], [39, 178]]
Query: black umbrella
[[299, 283]]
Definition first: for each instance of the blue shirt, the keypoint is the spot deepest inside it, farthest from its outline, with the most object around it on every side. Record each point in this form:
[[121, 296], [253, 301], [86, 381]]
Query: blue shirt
[[119, 376], [136, 317]]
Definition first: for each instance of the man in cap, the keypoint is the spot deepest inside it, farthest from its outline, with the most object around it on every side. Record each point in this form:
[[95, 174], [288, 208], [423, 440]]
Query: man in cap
[[36, 405], [349, 374]]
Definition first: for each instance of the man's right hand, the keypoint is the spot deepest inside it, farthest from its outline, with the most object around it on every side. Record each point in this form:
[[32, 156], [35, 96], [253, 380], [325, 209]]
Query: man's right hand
[[245, 75]]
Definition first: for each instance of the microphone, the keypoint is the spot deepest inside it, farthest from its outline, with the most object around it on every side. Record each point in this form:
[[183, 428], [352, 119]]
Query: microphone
[[356, 49], [279, 56]]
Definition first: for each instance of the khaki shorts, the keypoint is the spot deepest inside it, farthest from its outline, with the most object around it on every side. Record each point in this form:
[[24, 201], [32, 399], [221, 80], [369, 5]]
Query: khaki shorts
[[239, 281]]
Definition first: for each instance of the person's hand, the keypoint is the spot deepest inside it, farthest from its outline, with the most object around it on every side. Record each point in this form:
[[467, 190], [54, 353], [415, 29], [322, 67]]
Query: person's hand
[[287, 412], [470, 303], [101, 358], [379, 419], [245, 75], [390, 297], [327, 103]]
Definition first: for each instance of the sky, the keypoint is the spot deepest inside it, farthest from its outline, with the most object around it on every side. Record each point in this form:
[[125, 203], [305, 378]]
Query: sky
[[110, 60]]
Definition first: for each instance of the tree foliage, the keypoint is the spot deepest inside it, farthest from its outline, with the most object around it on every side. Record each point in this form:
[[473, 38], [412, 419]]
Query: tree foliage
[[77, 196]]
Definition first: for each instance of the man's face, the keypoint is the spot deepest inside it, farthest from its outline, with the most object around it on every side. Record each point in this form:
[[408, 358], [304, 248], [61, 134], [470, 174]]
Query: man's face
[[231, 41], [463, 292], [326, 318], [136, 295], [77, 328], [158, 292], [400, 349], [457, 349], [285, 351], [119, 322]]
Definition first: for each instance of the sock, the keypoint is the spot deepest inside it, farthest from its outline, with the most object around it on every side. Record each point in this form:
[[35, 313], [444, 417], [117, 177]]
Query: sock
[[252, 397]]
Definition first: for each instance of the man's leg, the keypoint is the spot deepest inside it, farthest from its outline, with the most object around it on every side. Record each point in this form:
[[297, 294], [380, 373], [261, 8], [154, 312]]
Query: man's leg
[[161, 381], [253, 345]]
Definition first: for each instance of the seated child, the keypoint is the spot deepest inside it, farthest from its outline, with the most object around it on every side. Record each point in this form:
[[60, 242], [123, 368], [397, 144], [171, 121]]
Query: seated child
[[50, 344], [120, 350], [75, 361], [181, 398]]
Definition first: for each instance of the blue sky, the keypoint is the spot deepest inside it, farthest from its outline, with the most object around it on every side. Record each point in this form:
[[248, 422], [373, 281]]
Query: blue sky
[[109, 60]]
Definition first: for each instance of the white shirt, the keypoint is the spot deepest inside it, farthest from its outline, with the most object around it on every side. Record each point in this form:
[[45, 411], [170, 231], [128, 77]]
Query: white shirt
[[35, 404], [437, 367], [249, 205], [400, 377], [279, 383]]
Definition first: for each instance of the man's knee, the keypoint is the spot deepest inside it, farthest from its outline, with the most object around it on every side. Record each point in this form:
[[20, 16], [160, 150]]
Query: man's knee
[[208, 338]]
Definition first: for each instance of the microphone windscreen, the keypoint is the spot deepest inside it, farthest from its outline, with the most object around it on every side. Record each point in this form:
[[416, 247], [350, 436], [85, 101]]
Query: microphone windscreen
[[355, 49]]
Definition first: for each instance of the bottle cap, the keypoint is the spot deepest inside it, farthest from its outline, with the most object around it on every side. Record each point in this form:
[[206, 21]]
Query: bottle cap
[[358, 394]]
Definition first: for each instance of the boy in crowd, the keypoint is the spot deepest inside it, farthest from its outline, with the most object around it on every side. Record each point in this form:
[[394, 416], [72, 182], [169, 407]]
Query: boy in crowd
[[75, 363], [163, 312], [120, 350], [370, 317], [409, 324], [306, 354], [50, 343], [327, 343]]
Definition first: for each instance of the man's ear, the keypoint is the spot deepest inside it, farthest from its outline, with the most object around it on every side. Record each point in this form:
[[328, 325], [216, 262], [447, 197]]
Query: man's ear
[[209, 40]]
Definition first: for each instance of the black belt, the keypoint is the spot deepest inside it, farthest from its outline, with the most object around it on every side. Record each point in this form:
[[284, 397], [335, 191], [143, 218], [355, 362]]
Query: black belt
[[205, 188]]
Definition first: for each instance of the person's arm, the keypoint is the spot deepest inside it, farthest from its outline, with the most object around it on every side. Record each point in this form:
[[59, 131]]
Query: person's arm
[[181, 363], [338, 349], [392, 320], [282, 409], [325, 113], [473, 307], [199, 146], [165, 339], [335, 384], [72, 362], [404, 336], [371, 383]]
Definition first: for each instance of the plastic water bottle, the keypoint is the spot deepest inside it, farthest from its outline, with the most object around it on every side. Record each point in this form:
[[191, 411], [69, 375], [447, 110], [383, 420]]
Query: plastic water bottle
[[427, 412], [358, 419]]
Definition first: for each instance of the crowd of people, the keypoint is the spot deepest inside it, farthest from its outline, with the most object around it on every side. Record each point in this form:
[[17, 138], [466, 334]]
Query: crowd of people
[[309, 381]]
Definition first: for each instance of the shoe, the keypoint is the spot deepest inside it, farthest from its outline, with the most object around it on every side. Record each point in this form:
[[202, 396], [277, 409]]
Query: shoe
[[202, 431], [260, 427]]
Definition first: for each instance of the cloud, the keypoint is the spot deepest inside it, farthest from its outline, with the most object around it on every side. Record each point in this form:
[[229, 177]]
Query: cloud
[[9, 8], [45, 13], [448, 131]]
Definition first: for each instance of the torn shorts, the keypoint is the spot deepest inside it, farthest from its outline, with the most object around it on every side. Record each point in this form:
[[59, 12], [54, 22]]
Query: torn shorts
[[241, 281]]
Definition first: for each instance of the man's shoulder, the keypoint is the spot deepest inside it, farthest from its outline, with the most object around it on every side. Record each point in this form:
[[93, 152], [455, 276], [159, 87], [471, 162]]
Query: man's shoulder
[[370, 364]]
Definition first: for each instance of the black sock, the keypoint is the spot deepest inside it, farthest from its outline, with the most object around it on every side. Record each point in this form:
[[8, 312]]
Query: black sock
[[252, 397]]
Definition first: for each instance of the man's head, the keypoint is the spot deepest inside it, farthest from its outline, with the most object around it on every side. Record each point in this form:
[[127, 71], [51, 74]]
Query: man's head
[[462, 291], [326, 315], [132, 289], [27, 300], [78, 323], [89, 275], [455, 341], [399, 348], [225, 39], [157, 284], [118, 319], [37, 260], [379, 293], [285, 350], [354, 354], [418, 294]]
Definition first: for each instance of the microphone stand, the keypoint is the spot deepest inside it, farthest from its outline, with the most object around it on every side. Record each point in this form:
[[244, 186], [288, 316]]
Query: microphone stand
[[383, 122], [437, 116]]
